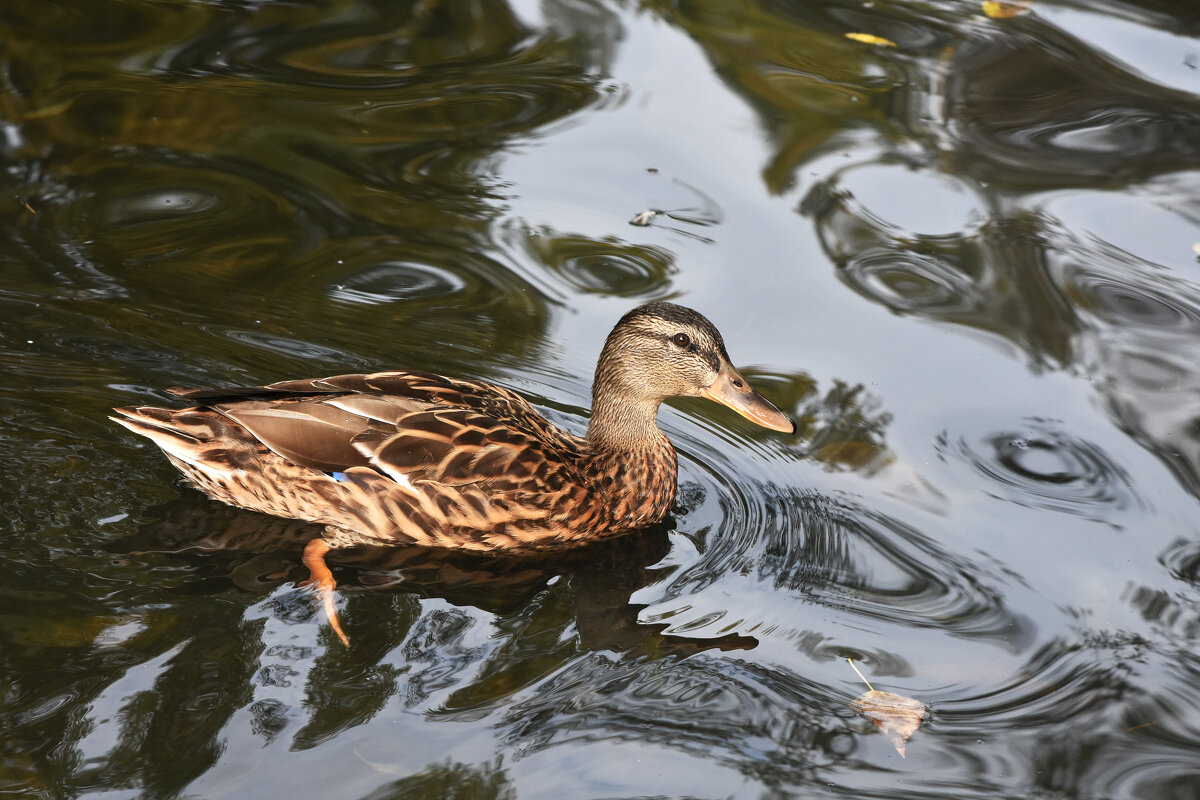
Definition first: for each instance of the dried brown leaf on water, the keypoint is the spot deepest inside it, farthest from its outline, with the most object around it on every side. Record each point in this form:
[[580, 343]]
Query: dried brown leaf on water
[[643, 219], [896, 715], [1005, 9], [870, 38]]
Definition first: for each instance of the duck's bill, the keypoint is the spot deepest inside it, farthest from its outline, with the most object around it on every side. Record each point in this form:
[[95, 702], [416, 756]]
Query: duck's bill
[[731, 389]]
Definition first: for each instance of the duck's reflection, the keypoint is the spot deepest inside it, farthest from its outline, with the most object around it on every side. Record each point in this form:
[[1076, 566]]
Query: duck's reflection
[[262, 553]]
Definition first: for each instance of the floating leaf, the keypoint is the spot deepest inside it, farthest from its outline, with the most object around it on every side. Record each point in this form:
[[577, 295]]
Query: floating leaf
[[896, 715], [643, 219], [1005, 9], [870, 38]]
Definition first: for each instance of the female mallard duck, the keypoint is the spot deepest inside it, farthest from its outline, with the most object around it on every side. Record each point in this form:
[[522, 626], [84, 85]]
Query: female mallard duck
[[415, 458]]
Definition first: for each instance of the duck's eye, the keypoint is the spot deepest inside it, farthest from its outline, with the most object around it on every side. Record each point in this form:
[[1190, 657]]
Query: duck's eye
[[681, 339]]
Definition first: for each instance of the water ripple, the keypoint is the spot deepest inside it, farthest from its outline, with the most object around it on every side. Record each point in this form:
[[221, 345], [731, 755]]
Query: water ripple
[[605, 266], [1041, 466], [1182, 560], [396, 281], [735, 712], [156, 205], [882, 195], [1061, 114], [286, 346], [1124, 301], [462, 112], [566, 264], [910, 282], [828, 554]]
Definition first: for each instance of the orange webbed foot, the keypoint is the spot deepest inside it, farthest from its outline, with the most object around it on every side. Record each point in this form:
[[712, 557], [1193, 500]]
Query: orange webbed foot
[[321, 579]]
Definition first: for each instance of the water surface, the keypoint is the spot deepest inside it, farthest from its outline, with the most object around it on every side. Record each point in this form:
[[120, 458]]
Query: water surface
[[963, 261]]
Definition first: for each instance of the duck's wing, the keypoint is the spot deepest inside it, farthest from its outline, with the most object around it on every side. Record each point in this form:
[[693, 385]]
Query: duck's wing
[[409, 426], [384, 457]]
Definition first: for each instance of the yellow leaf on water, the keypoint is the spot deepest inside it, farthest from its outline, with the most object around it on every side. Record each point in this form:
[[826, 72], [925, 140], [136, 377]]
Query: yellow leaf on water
[[1005, 9], [896, 715], [870, 38]]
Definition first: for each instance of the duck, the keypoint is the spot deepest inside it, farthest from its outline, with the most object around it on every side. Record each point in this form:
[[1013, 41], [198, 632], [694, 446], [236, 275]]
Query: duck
[[415, 458]]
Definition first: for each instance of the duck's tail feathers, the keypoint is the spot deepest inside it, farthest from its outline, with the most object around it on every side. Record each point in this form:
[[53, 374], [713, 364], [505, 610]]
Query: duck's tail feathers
[[192, 437]]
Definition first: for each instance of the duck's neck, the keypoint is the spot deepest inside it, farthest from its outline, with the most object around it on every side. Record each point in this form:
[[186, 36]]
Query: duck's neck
[[624, 427], [635, 462]]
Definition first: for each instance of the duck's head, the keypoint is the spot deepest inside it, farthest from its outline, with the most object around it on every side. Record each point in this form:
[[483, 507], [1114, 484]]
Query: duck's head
[[662, 350]]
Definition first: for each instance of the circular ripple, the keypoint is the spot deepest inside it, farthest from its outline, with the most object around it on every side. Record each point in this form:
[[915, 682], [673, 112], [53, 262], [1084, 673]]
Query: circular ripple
[[606, 266], [815, 554], [165, 204], [1149, 369], [1046, 468], [909, 282], [1182, 559], [395, 281], [1132, 300], [916, 202], [157, 203], [432, 292]]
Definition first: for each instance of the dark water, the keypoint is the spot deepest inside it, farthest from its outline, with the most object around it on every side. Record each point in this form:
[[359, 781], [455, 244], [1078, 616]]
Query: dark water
[[965, 263]]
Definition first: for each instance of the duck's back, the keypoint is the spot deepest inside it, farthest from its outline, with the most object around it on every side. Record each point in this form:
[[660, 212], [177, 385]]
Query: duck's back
[[384, 457]]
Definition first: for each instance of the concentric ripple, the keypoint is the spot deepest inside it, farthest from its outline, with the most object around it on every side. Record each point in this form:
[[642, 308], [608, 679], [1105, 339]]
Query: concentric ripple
[[881, 196], [395, 281], [1182, 560], [1081, 117], [606, 266], [731, 711], [909, 282], [565, 264], [912, 257], [824, 555], [1044, 467], [165, 204], [1133, 299]]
